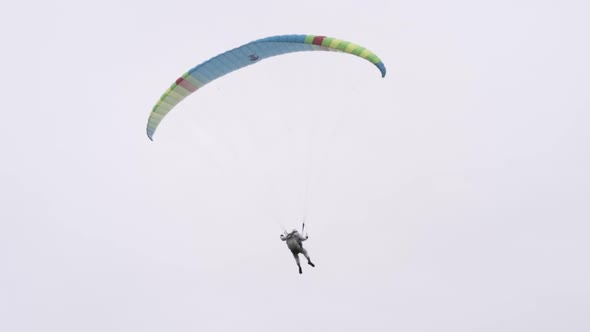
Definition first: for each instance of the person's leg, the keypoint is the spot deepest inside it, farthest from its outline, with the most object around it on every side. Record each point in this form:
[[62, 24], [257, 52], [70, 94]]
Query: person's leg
[[296, 256], [304, 252]]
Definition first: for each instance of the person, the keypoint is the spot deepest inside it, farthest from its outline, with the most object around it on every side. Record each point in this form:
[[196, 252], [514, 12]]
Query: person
[[295, 243]]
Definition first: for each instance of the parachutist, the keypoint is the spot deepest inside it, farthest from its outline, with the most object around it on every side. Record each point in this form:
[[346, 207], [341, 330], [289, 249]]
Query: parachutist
[[295, 244]]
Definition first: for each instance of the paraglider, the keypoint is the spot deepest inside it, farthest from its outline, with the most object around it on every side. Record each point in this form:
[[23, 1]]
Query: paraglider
[[246, 55], [295, 244]]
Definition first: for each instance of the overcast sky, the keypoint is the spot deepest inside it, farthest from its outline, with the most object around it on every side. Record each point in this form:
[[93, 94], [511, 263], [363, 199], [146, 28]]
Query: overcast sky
[[451, 195]]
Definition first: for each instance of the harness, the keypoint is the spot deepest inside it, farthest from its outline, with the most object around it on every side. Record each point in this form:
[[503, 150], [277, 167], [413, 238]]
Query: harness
[[292, 235]]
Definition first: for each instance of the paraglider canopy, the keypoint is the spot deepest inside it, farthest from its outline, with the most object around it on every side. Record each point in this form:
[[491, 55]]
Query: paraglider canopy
[[246, 55]]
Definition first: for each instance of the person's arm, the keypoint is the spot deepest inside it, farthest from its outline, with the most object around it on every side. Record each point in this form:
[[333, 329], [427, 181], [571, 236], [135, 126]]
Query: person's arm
[[301, 237]]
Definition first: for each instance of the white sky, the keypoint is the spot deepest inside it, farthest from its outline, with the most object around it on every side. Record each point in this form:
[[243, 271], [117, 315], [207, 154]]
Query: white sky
[[453, 195]]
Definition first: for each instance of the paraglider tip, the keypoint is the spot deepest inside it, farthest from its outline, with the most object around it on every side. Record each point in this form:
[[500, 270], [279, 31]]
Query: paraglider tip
[[382, 69]]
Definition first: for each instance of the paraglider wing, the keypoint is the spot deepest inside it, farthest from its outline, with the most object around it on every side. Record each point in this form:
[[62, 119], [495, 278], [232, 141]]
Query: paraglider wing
[[246, 55]]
